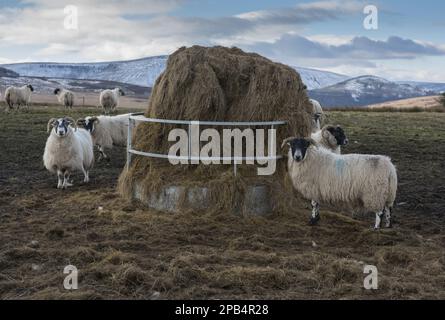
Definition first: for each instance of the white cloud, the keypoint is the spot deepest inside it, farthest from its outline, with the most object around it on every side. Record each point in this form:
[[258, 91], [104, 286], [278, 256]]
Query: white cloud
[[331, 39]]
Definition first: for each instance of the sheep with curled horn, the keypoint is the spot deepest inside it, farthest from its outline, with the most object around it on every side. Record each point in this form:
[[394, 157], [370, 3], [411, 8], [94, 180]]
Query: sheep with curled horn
[[331, 138], [67, 149], [106, 131]]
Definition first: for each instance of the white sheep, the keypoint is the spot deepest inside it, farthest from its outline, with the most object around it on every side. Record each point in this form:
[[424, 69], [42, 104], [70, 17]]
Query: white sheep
[[109, 99], [331, 138], [317, 111], [67, 149], [65, 97], [107, 131], [366, 182], [18, 96]]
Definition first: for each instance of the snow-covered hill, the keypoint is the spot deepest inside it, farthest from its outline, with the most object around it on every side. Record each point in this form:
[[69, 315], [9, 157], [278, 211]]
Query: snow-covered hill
[[142, 72], [365, 90], [47, 85], [427, 86], [7, 73], [315, 79]]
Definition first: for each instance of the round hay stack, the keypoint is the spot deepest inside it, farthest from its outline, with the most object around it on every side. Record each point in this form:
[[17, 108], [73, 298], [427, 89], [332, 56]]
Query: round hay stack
[[217, 84]]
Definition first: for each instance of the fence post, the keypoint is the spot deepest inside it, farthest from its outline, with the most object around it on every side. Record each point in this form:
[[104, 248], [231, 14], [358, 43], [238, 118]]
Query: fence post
[[130, 125], [189, 151]]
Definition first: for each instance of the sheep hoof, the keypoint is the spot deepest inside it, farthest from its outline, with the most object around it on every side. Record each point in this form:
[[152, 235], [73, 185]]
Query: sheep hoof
[[314, 221], [66, 185]]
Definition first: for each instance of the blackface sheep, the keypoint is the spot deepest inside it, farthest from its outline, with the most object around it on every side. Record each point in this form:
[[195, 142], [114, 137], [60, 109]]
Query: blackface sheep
[[107, 131], [366, 182], [331, 138], [18, 96], [109, 99], [317, 112], [65, 97], [67, 149]]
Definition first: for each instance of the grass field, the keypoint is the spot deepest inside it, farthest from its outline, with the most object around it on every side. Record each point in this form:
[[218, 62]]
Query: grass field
[[127, 251]]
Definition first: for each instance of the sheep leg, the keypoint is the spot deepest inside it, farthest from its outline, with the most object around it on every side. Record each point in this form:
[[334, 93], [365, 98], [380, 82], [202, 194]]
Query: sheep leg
[[378, 219], [66, 183], [315, 216], [103, 154], [388, 212], [86, 178], [59, 179]]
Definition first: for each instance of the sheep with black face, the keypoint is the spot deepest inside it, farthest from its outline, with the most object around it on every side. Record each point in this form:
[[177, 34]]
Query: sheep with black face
[[364, 182], [106, 131], [18, 96], [65, 97], [67, 149], [331, 138]]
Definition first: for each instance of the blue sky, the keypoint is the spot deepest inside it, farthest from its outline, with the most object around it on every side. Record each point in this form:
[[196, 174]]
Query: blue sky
[[408, 44]]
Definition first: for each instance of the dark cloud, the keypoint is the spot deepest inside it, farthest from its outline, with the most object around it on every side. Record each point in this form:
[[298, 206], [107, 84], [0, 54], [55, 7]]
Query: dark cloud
[[360, 48], [222, 27]]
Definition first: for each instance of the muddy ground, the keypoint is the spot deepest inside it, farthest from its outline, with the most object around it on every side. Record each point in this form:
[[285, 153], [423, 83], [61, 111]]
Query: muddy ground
[[123, 250]]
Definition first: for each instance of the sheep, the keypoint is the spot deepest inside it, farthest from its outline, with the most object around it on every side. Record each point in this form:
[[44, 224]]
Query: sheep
[[367, 182], [67, 149], [65, 97], [331, 138], [18, 96], [109, 99], [106, 131], [317, 111]]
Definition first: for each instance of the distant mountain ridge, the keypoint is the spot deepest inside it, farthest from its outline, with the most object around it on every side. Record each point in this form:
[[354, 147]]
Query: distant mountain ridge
[[427, 86], [7, 73], [315, 79], [141, 72], [365, 90]]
